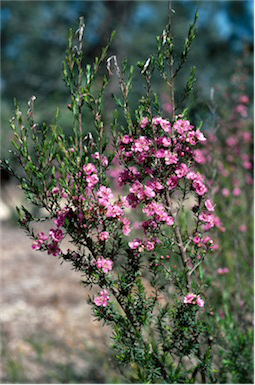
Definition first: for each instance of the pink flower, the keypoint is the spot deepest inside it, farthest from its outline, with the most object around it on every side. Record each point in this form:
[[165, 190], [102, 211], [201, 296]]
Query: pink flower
[[190, 298], [200, 136], [199, 187], [221, 271], [242, 110], [243, 99], [192, 175], [144, 122], [166, 142], [104, 161], [55, 190], [104, 264], [181, 171], [150, 245], [171, 159], [142, 144], [56, 234], [247, 165], [172, 182], [205, 217], [89, 168], [61, 217], [103, 235], [92, 180], [182, 126], [148, 191], [169, 221], [242, 228], [164, 124], [104, 192], [135, 243], [102, 299], [193, 299], [155, 184], [200, 302], [199, 157], [209, 205], [42, 237], [36, 245], [236, 192], [196, 239], [246, 136], [114, 211], [126, 139], [225, 192]]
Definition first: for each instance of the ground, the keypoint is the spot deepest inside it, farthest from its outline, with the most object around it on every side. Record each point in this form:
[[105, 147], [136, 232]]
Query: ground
[[48, 332]]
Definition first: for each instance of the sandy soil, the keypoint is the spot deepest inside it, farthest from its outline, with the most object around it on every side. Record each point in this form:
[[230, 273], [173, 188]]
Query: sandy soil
[[48, 331]]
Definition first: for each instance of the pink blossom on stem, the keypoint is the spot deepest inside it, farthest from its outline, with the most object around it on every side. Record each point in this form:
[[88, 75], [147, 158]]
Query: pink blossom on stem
[[190, 298], [181, 171], [150, 245], [102, 299], [209, 205], [172, 182], [200, 302], [92, 180], [55, 190], [103, 236], [89, 169], [144, 122], [56, 234], [135, 243], [104, 264]]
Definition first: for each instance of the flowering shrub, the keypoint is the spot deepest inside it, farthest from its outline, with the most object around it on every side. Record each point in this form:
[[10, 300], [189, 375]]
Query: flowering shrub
[[165, 335]]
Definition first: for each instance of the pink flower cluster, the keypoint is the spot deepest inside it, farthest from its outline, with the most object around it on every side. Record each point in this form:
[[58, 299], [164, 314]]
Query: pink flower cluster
[[222, 271], [55, 234], [193, 299], [197, 183], [157, 210], [141, 246], [102, 299], [113, 210], [104, 264], [91, 177]]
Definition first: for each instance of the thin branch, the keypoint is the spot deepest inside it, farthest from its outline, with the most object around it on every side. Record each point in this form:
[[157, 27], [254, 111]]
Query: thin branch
[[171, 60], [179, 242], [122, 87]]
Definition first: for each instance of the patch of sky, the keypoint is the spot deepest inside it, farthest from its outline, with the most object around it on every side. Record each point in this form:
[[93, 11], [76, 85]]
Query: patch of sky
[[73, 9], [13, 48], [5, 16], [143, 13], [223, 24], [93, 23]]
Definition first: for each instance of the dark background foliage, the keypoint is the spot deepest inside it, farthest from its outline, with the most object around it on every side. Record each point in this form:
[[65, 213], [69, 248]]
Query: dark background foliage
[[34, 40]]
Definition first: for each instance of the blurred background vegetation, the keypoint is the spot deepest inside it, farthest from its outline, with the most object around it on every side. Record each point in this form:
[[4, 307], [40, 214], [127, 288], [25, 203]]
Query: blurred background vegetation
[[34, 39], [34, 35]]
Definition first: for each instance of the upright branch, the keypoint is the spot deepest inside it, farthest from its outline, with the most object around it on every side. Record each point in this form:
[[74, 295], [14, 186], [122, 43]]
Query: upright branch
[[80, 72], [123, 88], [171, 60]]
